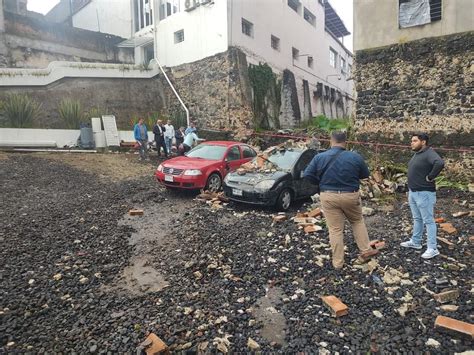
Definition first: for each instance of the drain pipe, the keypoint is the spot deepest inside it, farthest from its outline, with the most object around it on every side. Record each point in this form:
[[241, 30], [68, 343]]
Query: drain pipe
[[155, 35]]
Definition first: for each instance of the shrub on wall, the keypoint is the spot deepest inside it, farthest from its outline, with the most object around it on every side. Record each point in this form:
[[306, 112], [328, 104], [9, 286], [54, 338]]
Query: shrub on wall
[[71, 113], [20, 111]]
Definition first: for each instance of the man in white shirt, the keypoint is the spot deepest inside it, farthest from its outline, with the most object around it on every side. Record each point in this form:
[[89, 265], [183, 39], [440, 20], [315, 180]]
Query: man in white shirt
[[189, 141], [169, 135]]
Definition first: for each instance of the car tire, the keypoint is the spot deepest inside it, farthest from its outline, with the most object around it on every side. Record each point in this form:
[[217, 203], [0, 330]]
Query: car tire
[[214, 182], [284, 200]]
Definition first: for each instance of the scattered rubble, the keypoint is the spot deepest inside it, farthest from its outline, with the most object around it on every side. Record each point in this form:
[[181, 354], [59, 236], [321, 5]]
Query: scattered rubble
[[446, 296], [135, 212], [456, 326], [335, 305]]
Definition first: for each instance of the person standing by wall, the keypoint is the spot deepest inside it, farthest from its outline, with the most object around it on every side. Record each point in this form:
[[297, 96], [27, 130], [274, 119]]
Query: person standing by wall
[[169, 135], [189, 141], [423, 168], [179, 135], [140, 133], [338, 173], [191, 129], [159, 131]]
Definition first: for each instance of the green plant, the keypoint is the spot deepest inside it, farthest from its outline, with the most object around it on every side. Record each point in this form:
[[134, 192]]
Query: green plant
[[145, 66], [71, 113], [20, 111], [97, 112], [328, 125], [443, 182], [266, 88]]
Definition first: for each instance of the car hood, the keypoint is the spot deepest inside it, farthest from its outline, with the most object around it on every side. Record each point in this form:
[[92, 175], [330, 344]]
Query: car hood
[[188, 163], [254, 178]]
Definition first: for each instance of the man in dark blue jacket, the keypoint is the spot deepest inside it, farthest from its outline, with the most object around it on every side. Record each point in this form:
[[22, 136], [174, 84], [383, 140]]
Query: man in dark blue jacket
[[338, 171]]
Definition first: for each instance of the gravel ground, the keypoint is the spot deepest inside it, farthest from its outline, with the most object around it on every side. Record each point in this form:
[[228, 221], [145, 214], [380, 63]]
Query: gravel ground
[[78, 274]]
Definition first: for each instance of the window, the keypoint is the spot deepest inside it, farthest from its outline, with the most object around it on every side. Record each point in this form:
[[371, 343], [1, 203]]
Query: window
[[349, 70], [295, 53], [168, 8], [310, 62], [275, 42], [332, 58], [142, 14], [295, 5], [248, 152], [179, 36], [418, 12], [247, 27], [309, 17], [343, 66], [233, 154]]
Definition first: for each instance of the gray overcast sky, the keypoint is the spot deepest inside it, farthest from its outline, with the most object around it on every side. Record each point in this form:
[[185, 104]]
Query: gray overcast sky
[[342, 7]]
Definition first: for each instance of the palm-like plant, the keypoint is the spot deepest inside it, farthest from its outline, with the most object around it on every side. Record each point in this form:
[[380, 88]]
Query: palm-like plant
[[20, 111], [71, 113]]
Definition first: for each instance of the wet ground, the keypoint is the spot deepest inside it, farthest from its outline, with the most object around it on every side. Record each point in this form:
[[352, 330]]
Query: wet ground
[[78, 274]]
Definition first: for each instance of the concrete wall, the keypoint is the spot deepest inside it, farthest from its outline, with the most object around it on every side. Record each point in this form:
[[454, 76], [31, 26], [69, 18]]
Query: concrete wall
[[47, 138], [376, 23], [34, 43], [423, 85], [106, 16], [205, 34], [293, 31]]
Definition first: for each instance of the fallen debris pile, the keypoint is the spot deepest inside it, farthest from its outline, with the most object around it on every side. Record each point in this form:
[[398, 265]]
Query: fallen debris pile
[[382, 182], [215, 199]]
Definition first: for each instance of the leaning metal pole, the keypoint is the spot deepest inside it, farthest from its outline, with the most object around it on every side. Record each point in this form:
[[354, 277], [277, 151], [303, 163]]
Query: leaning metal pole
[[155, 45]]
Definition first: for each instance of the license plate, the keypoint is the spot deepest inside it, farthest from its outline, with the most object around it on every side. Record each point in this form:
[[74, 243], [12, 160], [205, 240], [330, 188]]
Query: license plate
[[237, 192], [169, 178]]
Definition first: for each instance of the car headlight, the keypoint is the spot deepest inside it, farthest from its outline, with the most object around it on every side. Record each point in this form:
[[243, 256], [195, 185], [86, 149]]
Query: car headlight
[[264, 185], [193, 172], [227, 178], [160, 168]]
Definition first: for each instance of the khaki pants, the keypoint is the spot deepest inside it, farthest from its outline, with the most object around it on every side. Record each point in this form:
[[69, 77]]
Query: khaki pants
[[337, 207]]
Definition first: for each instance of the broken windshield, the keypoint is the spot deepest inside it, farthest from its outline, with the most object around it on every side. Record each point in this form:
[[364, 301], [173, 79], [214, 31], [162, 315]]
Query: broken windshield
[[284, 159]]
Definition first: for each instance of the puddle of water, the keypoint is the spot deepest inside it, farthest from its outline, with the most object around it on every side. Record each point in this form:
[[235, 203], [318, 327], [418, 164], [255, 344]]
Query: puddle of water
[[274, 322]]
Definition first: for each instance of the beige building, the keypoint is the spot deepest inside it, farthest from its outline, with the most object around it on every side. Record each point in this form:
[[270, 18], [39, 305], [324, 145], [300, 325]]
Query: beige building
[[379, 23]]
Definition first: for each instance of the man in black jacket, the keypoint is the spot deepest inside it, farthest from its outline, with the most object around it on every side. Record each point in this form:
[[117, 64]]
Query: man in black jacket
[[423, 168], [159, 131]]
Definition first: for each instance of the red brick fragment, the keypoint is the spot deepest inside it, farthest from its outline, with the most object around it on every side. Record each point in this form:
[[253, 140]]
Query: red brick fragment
[[279, 218], [448, 228], [312, 228], [440, 220], [446, 296], [135, 212], [335, 305], [314, 213], [454, 325], [377, 244], [154, 345]]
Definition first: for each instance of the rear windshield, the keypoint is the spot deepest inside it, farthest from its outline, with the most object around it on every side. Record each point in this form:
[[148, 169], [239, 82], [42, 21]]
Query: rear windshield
[[207, 151]]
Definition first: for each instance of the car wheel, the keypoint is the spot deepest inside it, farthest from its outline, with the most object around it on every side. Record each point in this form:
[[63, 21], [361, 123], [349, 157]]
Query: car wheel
[[284, 200], [214, 183]]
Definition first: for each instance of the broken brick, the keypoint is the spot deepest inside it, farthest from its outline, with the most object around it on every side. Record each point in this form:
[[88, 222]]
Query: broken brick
[[440, 220], [447, 296], [335, 305], [377, 244], [460, 214], [471, 239], [446, 242], [135, 212], [279, 218], [300, 220], [301, 215], [448, 228], [314, 213], [454, 325], [154, 345], [312, 228]]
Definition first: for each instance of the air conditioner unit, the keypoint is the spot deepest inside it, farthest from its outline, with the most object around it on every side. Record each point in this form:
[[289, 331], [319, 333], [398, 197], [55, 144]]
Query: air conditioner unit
[[190, 5]]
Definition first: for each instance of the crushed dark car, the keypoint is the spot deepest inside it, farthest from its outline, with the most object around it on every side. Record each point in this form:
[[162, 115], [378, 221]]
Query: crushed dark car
[[273, 178]]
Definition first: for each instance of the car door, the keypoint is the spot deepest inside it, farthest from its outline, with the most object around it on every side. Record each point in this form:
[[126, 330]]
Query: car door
[[233, 158], [303, 187]]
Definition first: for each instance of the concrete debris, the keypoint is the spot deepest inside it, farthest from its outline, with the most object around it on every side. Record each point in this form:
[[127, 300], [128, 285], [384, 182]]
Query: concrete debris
[[252, 344], [222, 344], [367, 211], [153, 345], [460, 214], [378, 314], [447, 296], [382, 183], [433, 343], [393, 276], [448, 228], [449, 308]]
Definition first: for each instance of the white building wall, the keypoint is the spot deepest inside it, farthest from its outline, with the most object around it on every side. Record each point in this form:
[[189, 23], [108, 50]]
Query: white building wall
[[275, 17], [106, 16], [205, 33]]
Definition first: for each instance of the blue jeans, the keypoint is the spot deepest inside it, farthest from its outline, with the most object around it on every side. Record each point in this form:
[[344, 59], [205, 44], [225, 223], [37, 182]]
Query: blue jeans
[[169, 144], [422, 210]]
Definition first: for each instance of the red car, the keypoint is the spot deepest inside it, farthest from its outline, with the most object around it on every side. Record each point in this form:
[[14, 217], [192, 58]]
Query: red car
[[205, 166]]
